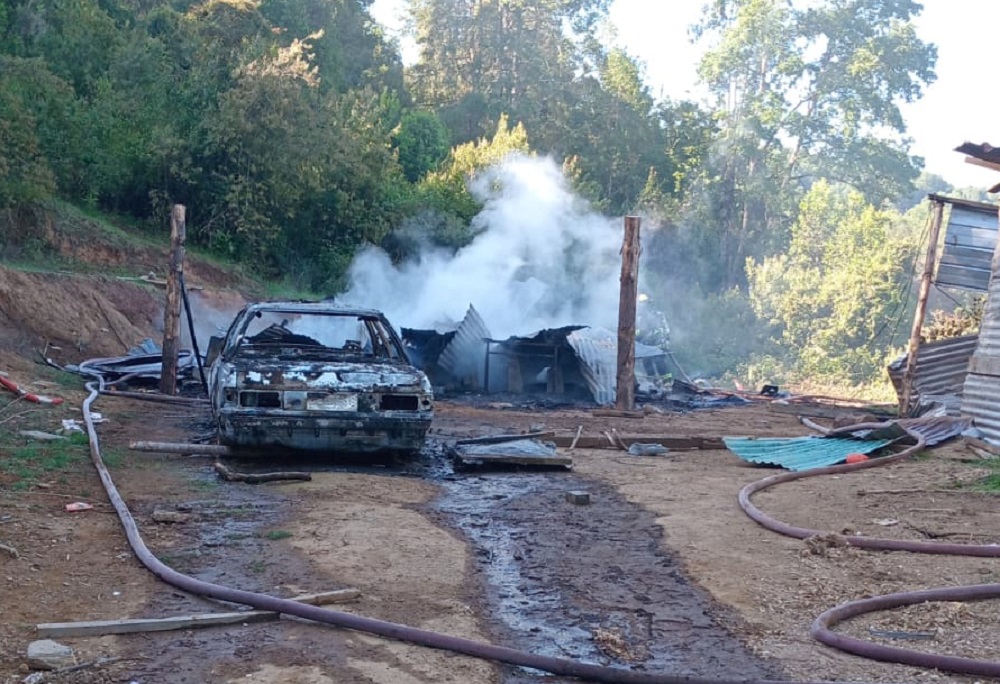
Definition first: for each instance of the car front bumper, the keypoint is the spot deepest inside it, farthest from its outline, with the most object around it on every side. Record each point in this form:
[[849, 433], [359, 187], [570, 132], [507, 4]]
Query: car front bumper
[[305, 431]]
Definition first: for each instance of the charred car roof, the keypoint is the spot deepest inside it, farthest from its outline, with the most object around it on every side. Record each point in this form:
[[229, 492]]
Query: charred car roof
[[331, 308]]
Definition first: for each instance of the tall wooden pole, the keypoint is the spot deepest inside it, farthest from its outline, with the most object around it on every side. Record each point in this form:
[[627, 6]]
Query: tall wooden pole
[[918, 319], [172, 311], [625, 396]]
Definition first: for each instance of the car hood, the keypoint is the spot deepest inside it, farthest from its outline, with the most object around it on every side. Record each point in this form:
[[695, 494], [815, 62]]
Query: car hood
[[336, 376]]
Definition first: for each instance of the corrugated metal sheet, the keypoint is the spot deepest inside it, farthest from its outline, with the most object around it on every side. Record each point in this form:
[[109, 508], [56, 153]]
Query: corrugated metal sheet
[[981, 402], [801, 453], [465, 355], [989, 329], [597, 351], [934, 429], [941, 367], [970, 238], [981, 394], [937, 429]]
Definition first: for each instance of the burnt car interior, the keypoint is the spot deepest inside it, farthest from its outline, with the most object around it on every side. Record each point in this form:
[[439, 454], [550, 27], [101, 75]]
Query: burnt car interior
[[349, 337]]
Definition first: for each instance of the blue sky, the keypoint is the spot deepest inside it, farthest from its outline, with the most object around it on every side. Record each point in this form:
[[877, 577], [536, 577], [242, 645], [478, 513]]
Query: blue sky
[[959, 106]]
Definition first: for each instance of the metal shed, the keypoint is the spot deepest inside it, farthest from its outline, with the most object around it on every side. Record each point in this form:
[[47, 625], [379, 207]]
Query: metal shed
[[981, 394]]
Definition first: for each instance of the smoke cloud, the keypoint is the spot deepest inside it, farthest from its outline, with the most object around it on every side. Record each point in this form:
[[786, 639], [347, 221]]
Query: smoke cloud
[[541, 259]]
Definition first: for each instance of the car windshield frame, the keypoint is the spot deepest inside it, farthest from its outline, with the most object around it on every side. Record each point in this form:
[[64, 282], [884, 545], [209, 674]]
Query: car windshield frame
[[284, 333]]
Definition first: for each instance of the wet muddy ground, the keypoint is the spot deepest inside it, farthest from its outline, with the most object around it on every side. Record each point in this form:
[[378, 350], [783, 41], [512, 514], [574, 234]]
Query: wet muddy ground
[[587, 582]]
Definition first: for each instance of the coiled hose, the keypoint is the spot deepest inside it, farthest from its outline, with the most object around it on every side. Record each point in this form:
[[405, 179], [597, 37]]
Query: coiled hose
[[558, 666], [821, 628]]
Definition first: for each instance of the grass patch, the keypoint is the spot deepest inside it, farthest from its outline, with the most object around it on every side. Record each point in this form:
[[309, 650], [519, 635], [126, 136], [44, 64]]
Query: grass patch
[[62, 378], [990, 483], [275, 535], [113, 458], [29, 462], [204, 485]]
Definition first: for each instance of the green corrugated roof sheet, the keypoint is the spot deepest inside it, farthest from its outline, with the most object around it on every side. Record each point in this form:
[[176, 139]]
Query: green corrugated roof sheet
[[801, 453]]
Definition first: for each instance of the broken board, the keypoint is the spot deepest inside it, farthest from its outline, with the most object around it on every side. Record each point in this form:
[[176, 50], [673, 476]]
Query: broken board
[[526, 452]]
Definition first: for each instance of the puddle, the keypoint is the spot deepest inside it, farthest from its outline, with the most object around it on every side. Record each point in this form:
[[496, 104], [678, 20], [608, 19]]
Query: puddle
[[589, 582]]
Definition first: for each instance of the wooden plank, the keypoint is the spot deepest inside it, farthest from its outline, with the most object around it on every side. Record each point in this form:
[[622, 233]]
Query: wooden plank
[[963, 277], [180, 448], [960, 257], [134, 626], [138, 625], [985, 218], [617, 413], [926, 280], [500, 439], [965, 236], [673, 442], [825, 411]]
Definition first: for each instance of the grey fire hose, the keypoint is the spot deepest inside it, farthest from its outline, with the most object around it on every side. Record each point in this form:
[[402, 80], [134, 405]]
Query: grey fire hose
[[421, 637], [821, 628]]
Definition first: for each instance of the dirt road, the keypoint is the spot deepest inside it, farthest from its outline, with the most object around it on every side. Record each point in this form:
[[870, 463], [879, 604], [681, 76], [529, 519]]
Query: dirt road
[[661, 572]]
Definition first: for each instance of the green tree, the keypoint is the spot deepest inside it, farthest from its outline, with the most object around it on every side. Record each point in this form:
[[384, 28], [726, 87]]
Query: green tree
[[806, 91], [25, 175], [482, 57], [835, 299], [421, 141], [445, 192]]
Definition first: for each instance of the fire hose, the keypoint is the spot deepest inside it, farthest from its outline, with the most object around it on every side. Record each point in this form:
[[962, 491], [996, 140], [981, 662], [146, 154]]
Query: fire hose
[[821, 628], [557, 666]]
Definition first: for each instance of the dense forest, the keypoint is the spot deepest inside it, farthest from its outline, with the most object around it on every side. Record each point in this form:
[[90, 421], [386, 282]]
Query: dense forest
[[786, 202]]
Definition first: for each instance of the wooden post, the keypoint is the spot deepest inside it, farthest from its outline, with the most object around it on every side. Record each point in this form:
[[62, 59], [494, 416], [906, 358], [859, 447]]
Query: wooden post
[[172, 310], [918, 319], [625, 395]]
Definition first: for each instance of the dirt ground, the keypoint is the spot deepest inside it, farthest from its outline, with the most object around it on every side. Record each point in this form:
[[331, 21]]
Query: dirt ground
[[661, 573]]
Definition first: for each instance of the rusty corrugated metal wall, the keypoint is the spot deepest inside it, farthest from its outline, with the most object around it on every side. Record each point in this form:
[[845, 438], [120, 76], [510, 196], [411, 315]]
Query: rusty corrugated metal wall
[[981, 395], [941, 370]]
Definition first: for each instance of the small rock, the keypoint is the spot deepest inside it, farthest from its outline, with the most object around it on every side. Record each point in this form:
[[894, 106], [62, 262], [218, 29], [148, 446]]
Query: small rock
[[162, 515], [637, 449], [47, 654], [579, 498]]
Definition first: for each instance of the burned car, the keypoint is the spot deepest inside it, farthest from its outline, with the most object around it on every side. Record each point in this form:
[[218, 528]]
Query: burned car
[[318, 377]]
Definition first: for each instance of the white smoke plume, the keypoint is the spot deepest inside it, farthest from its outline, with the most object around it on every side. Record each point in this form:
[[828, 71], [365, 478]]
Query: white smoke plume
[[541, 259]]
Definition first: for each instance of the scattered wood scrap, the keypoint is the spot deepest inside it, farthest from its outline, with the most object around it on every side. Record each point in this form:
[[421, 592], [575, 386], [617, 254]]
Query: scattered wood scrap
[[500, 439], [982, 448], [619, 441], [180, 448], [138, 625], [257, 478], [831, 411], [11, 550], [617, 413]]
